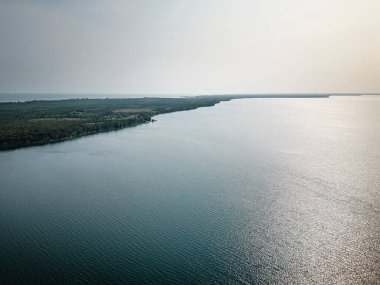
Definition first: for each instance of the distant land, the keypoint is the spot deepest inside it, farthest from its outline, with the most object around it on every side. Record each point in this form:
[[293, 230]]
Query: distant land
[[46, 121], [23, 97]]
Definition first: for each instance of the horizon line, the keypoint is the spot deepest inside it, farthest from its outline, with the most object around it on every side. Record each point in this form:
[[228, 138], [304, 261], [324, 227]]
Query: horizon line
[[192, 94]]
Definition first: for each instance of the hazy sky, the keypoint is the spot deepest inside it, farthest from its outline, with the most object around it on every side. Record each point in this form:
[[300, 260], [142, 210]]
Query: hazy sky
[[189, 46]]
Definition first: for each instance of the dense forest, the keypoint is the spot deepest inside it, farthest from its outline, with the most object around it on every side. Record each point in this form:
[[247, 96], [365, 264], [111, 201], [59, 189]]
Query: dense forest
[[40, 122]]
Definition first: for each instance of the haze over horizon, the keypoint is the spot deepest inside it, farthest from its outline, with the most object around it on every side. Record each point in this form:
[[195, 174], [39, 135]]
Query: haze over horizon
[[189, 47]]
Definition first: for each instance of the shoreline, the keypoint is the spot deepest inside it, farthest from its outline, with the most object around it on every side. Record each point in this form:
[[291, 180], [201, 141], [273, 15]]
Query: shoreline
[[42, 122]]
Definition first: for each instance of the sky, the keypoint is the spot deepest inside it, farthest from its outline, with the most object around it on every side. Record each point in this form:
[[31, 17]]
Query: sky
[[189, 46]]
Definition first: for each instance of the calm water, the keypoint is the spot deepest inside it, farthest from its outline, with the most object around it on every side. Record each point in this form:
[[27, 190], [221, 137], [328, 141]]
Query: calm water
[[254, 191]]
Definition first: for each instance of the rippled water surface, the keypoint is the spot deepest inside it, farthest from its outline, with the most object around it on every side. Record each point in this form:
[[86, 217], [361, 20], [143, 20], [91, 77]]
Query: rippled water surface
[[253, 191]]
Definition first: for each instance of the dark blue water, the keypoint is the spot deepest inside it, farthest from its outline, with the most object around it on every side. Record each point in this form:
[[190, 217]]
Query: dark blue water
[[254, 191]]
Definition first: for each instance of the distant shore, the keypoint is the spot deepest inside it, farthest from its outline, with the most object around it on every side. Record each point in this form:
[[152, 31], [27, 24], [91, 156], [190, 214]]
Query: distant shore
[[24, 97], [41, 122]]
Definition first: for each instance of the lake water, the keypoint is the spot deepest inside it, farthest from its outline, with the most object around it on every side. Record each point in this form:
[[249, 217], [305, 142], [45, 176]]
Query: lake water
[[252, 191]]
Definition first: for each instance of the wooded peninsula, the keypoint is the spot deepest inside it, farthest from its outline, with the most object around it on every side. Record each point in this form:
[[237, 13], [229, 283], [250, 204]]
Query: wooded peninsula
[[40, 122]]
